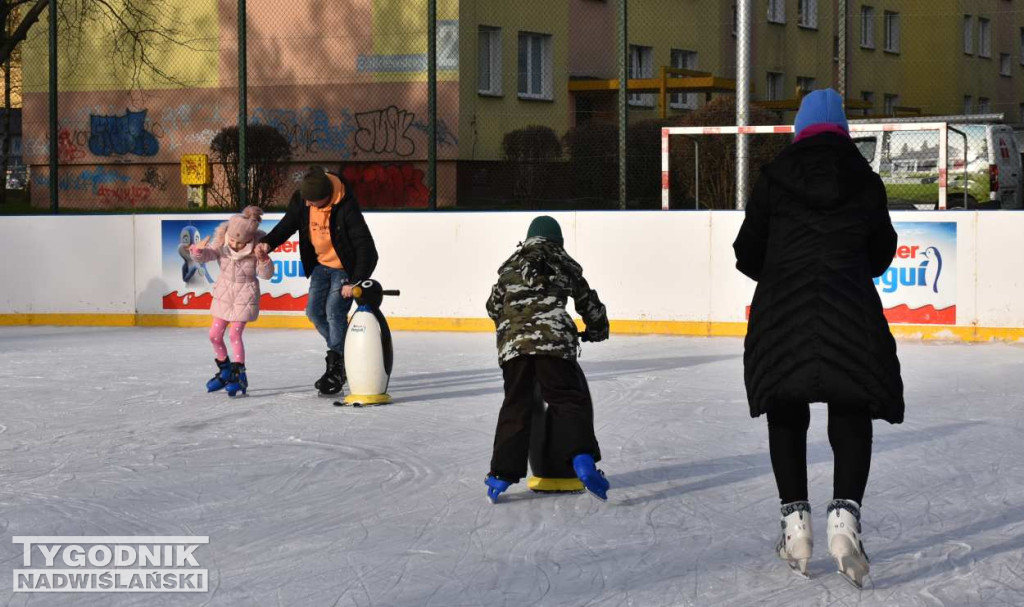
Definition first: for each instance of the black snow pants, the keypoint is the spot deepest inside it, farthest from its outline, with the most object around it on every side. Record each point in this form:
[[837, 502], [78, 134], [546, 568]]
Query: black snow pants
[[570, 413]]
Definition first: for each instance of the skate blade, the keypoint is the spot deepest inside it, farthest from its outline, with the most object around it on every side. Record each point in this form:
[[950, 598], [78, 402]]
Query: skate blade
[[853, 570], [799, 568]]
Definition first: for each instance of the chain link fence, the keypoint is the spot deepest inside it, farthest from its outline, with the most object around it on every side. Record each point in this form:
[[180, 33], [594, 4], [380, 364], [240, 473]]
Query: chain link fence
[[520, 106]]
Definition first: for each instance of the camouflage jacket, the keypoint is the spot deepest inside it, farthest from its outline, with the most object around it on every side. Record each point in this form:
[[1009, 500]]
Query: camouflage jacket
[[527, 304]]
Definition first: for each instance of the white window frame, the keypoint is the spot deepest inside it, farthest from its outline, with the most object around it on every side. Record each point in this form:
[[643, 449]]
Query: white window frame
[[777, 11], [684, 59], [491, 37], [808, 14], [803, 80], [984, 105], [641, 65], [968, 35], [776, 86], [1005, 65], [535, 42], [891, 102], [984, 37], [892, 31], [867, 26], [968, 105]]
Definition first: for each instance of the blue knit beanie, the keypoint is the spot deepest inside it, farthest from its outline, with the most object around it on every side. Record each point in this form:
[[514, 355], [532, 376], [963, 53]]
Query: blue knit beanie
[[823, 106]]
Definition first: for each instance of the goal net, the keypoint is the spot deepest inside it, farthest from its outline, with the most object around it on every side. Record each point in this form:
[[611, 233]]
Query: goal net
[[925, 166]]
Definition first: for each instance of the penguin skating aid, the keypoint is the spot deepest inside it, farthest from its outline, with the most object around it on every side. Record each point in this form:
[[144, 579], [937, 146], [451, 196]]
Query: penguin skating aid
[[368, 350]]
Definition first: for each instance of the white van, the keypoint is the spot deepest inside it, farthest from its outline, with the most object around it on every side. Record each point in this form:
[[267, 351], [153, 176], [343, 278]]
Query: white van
[[986, 174]]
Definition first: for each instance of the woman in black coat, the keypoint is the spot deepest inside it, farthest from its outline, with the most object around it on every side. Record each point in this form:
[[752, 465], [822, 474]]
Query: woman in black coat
[[816, 231]]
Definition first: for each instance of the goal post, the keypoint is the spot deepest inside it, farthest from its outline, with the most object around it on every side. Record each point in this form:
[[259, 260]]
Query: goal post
[[912, 158]]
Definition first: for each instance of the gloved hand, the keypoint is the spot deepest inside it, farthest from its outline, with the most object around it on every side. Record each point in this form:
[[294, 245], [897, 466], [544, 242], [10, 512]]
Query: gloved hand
[[594, 334]]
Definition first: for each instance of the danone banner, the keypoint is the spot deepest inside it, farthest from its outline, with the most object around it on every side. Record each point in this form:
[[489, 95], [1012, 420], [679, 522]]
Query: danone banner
[[192, 283], [920, 285]]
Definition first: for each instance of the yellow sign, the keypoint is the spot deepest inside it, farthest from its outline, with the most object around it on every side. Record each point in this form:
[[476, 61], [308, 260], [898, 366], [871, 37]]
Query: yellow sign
[[195, 169]]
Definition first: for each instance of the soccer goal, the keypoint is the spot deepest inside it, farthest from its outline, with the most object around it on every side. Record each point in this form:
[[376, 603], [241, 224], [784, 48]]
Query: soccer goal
[[925, 166]]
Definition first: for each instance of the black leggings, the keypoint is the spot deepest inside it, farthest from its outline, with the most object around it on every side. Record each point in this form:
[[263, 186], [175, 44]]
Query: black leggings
[[849, 433]]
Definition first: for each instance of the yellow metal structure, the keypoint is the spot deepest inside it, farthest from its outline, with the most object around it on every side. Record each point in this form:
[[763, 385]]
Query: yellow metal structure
[[195, 169]]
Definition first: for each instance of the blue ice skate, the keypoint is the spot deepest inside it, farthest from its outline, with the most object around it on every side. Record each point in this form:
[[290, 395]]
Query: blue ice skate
[[592, 478], [238, 382], [218, 381], [495, 487]]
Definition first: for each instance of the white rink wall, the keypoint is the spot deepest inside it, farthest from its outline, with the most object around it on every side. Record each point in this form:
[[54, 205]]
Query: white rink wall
[[649, 267]]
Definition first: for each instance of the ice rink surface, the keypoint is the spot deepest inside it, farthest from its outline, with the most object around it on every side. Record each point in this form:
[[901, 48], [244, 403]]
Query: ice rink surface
[[110, 432]]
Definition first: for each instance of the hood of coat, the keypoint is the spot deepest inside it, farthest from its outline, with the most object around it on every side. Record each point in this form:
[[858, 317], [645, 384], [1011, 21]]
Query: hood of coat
[[541, 260], [821, 170]]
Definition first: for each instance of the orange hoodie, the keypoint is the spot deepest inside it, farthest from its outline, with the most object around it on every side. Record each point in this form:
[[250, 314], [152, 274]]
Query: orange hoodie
[[320, 227]]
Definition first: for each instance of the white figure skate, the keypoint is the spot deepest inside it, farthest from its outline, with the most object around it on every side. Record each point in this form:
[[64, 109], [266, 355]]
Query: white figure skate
[[844, 541], [797, 539]]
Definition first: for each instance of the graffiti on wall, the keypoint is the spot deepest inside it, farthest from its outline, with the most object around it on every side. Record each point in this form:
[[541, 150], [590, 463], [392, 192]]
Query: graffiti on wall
[[107, 187], [309, 130], [380, 185], [121, 135]]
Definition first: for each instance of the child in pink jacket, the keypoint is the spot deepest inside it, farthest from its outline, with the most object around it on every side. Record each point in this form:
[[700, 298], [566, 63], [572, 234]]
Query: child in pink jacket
[[236, 292]]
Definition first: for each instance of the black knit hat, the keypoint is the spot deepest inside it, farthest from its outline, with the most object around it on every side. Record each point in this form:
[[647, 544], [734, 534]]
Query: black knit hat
[[546, 227], [315, 185]]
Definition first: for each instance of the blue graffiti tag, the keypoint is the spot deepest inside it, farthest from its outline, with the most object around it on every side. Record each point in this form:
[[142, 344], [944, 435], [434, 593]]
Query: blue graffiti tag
[[88, 180], [445, 137], [309, 130], [120, 135]]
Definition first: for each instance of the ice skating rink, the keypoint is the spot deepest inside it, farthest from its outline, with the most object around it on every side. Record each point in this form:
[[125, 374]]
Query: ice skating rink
[[110, 432]]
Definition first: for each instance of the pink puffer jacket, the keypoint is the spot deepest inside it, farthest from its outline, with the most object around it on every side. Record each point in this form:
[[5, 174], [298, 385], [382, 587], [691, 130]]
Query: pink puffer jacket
[[236, 293]]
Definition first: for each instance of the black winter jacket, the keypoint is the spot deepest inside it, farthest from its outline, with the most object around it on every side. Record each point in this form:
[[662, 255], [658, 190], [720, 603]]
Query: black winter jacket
[[349, 234], [816, 231]]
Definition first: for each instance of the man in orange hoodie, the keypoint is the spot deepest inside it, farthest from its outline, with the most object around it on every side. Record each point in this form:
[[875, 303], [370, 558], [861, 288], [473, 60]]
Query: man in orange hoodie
[[337, 251]]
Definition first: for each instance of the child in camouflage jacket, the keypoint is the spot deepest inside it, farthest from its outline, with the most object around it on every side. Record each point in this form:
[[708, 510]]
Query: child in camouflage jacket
[[537, 347]]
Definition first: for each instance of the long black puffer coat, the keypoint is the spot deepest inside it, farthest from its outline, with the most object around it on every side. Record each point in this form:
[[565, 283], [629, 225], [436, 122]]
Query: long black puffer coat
[[816, 231]]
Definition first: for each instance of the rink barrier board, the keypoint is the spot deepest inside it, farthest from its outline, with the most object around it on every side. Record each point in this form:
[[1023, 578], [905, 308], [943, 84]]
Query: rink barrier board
[[485, 325]]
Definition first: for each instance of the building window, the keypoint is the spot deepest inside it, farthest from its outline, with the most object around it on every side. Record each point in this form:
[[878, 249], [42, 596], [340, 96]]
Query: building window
[[535, 66], [1022, 46], [869, 97], [641, 65], [984, 105], [867, 27], [685, 60], [488, 60], [984, 37], [892, 32], [1005, 65], [804, 84], [776, 86], [968, 35], [1021, 108], [776, 11], [968, 104], [891, 102], [808, 13], [735, 19]]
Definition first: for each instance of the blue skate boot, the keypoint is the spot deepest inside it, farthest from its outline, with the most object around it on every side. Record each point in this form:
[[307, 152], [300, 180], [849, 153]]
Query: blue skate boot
[[218, 381], [238, 382], [592, 478], [495, 487]]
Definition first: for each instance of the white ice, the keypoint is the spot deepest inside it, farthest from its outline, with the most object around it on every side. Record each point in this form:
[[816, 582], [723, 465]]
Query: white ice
[[110, 432]]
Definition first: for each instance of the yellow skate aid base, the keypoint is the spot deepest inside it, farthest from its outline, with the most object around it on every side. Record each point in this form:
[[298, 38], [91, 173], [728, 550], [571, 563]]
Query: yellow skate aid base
[[554, 485], [367, 400]]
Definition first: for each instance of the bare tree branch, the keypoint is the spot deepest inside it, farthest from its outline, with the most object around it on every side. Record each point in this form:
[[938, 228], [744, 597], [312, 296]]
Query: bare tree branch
[[19, 34]]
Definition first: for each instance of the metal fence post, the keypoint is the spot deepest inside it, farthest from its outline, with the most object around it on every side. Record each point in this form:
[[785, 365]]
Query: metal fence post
[[54, 183], [432, 104], [623, 99], [743, 35], [841, 77], [243, 110]]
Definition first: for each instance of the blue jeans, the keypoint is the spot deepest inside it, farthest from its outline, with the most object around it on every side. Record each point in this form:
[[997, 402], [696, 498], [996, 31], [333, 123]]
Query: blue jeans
[[326, 308]]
